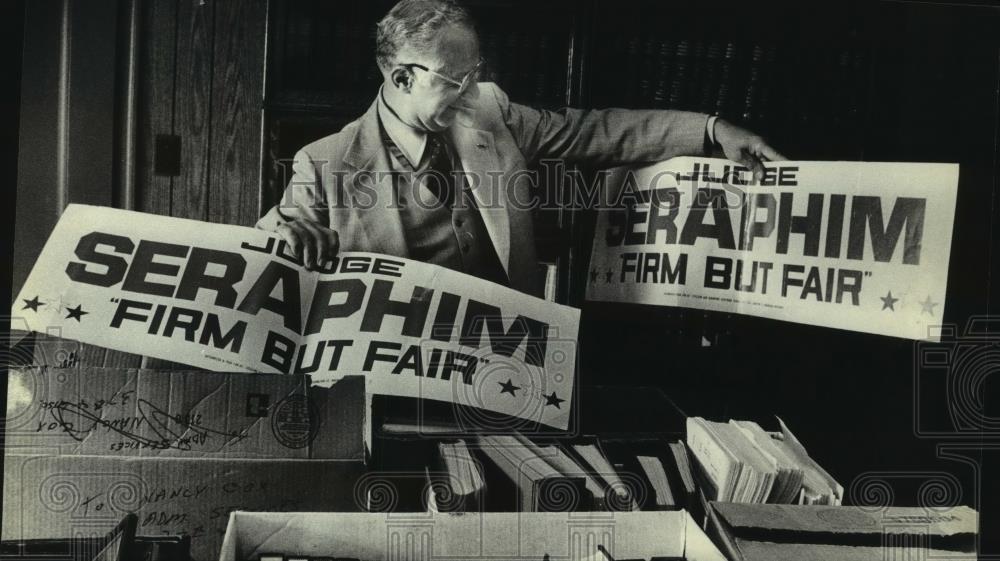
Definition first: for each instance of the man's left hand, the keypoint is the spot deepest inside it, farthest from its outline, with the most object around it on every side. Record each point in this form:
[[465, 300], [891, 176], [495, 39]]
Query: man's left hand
[[745, 147]]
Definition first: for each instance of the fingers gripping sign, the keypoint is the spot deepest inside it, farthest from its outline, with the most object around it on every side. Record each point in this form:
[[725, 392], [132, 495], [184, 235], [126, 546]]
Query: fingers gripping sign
[[314, 243], [745, 147]]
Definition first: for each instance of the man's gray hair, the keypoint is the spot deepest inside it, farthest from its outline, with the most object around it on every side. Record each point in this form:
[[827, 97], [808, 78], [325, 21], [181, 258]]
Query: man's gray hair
[[415, 23]]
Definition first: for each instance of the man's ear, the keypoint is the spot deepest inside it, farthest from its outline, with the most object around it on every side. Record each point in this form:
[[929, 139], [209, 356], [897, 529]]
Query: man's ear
[[402, 79]]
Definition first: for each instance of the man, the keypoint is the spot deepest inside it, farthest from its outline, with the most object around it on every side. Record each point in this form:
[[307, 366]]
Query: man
[[435, 170]]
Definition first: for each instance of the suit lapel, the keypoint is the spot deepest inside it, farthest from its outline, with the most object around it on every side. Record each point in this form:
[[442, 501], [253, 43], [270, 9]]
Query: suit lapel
[[371, 193], [370, 190], [477, 151]]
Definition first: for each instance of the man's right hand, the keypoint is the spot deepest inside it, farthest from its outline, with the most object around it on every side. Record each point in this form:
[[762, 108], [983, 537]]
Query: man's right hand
[[314, 243]]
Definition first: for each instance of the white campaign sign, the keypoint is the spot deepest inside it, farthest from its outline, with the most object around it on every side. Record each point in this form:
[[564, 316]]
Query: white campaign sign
[[850, 245], [230, 298]]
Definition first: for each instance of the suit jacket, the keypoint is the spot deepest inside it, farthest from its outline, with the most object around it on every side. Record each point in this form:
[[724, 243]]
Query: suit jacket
[[342, 181]]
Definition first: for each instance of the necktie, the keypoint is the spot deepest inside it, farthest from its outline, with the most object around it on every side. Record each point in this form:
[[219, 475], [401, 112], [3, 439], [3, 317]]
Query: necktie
[[442, 181]]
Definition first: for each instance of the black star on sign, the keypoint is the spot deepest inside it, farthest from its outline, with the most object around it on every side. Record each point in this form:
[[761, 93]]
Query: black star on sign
[[509, 387], [888, 301], [928, 306], [609, 275], [593, 275], [553, 400], [76, 313], [32, 304]]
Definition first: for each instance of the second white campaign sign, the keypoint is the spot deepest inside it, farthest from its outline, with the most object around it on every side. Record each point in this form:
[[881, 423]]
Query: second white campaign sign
[[850, 245]]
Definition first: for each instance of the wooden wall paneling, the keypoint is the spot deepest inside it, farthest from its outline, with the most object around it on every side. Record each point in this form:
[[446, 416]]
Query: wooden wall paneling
[[35, 208], [234, 176], [84, 138], [192, 107], [124, 176], [174, 83], [157, 61], [157, 44], [89, 103]]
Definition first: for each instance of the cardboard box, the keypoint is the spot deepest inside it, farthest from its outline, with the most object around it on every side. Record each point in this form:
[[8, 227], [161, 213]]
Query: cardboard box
[[756, 532], [132, 412], [469, 536], [85, 496], [181, 449]]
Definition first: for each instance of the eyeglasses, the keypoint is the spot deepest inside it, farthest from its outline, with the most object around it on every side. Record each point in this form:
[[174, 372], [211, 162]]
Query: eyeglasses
[[469, 79]]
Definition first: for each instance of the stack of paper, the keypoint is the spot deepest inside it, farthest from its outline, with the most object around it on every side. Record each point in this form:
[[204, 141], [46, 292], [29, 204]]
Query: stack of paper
[[737, 469], [818, 487], [744, 464], [788, 484]]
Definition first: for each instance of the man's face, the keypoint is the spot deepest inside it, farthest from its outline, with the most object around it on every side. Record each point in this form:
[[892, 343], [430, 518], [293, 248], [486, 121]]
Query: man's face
[[435, 101]]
